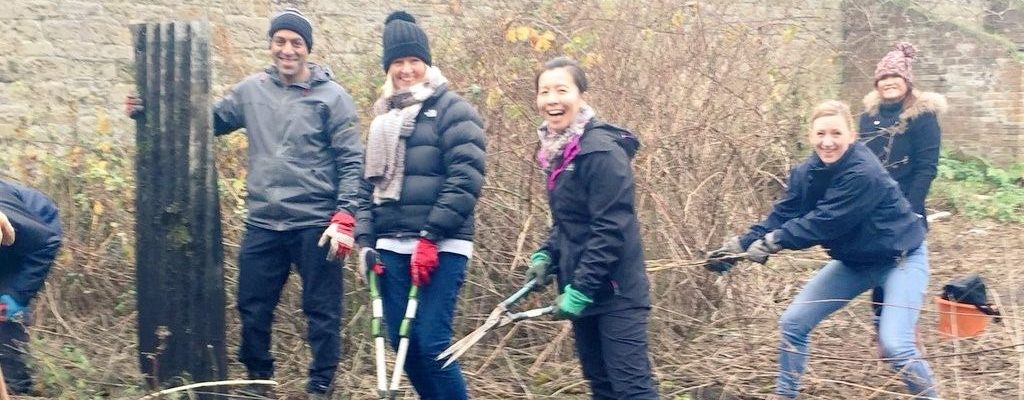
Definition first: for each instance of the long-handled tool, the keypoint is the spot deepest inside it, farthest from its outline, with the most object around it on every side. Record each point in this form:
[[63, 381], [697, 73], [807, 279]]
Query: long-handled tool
[[498, 318], [403, 342], [374, 268]]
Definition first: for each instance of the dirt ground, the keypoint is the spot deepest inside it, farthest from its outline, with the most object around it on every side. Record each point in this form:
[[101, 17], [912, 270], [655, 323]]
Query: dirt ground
[[723, 349], [737, 351]]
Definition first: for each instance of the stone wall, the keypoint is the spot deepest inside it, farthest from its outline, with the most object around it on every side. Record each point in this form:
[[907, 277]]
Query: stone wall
[[969, 53], [67, 66], [1006, 17]]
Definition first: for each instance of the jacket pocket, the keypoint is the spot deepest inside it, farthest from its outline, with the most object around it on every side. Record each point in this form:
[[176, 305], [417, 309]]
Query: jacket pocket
[[304, 136]]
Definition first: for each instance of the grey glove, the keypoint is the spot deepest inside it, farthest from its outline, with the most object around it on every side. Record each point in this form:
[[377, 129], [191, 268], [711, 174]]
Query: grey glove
[[760, 250], [719, 260]]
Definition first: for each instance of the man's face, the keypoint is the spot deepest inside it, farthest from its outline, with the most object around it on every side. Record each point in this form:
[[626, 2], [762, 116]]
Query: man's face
[[289, 53]]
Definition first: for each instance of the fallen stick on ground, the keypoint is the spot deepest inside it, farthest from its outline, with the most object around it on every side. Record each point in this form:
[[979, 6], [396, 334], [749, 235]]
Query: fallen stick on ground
[[236, 382]]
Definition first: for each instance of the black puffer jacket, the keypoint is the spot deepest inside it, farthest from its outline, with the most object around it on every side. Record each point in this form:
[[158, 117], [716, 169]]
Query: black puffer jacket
[[444, 172], [595, 240]]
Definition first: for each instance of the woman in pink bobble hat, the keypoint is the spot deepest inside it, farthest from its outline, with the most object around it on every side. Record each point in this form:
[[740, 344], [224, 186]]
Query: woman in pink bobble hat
[[900, 125]]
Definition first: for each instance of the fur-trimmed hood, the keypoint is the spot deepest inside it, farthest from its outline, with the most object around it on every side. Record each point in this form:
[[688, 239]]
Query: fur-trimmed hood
[[926, 102]]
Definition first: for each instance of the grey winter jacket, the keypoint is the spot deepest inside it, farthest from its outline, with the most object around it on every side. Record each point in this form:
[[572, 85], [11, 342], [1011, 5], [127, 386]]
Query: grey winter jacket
[[305, 154]]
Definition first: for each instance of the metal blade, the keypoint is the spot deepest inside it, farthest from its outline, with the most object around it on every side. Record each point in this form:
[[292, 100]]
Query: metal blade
[[474, 338], [497, 318], [492, 320]]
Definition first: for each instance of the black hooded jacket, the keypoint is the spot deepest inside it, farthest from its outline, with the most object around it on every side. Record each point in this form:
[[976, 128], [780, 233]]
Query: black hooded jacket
[[595, 239], [906, 141]]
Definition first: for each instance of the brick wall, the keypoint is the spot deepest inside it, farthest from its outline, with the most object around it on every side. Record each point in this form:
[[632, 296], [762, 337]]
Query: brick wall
[[1006, 17], [969, 59]]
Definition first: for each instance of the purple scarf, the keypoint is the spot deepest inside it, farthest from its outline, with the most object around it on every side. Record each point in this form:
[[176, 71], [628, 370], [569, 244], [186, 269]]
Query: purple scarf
[[561, 146]]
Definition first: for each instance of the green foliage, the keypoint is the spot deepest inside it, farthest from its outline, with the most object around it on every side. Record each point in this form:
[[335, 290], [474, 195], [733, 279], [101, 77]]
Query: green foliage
[[66, 375], [979, 189]]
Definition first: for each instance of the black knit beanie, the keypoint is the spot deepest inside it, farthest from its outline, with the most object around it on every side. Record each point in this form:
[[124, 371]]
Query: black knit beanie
[[403, 38], [292, 20]]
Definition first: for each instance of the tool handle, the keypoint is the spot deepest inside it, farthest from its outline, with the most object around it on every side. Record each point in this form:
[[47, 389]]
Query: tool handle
[[727, 258], [403, 342], [522, 292], [534, 313]]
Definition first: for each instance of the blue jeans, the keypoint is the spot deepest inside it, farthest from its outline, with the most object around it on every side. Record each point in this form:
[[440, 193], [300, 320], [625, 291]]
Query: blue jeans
[[832, 288], [431, 331], [264, 262]]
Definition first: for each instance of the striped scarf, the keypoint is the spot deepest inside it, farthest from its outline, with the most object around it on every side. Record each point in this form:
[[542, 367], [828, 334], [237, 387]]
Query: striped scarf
[[395, 121]]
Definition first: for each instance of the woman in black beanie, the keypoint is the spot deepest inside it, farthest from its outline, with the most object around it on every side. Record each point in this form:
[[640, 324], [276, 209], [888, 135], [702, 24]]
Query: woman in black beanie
[[424, 171]]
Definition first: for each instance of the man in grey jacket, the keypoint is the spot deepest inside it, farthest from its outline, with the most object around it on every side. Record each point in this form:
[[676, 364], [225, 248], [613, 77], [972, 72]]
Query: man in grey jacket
[[305, 165]]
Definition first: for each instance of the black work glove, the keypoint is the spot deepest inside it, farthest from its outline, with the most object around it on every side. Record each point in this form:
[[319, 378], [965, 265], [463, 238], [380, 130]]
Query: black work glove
[[719, 260]]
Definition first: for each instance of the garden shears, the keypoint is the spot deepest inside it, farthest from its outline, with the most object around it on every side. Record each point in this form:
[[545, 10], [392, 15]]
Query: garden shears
[[498, 318]]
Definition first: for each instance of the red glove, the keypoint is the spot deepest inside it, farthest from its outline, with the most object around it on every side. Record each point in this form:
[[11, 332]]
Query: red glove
[[424, 262], [339, 234], [133, 107]]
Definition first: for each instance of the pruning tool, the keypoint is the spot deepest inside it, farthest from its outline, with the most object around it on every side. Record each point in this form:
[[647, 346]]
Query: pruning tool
[[498, 318], [374, 269]]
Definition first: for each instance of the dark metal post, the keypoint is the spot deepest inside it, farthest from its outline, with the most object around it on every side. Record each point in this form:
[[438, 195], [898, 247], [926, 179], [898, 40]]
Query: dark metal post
[[179, 259]]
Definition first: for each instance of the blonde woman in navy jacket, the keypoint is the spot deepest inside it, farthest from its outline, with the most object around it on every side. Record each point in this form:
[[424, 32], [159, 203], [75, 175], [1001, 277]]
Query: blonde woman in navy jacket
[[843, 199]]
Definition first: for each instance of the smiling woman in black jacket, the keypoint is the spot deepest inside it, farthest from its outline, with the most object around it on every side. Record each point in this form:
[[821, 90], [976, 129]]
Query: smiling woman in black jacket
[[842, 199], [595, 240], [424, 171], [900, 124]]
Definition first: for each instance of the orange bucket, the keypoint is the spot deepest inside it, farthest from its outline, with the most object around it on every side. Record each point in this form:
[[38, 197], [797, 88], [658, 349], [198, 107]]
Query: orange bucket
[[960, 320]]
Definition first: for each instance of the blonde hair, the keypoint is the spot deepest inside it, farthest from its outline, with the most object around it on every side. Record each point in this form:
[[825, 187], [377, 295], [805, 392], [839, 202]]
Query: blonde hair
[[833, 108]]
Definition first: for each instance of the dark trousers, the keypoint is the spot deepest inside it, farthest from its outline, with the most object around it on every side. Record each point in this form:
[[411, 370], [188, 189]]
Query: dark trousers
[[612, 348], [431, 331], [264, 263], [877, 300], [13, 339]]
